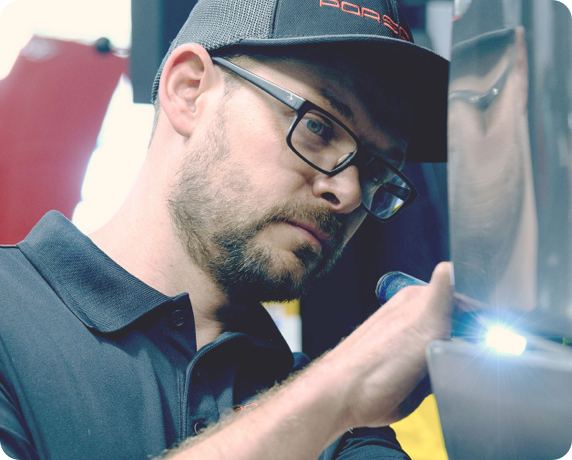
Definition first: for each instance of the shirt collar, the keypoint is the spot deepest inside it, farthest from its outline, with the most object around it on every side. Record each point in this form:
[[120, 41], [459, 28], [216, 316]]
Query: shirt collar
[[103, 295], [99, 292]]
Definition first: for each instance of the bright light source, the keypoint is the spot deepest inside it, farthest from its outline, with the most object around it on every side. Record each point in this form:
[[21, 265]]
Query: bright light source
[[505, 341]]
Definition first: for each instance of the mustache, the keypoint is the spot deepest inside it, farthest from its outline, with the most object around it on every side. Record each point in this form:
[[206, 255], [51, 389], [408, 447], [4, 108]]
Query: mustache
[[316, 215]]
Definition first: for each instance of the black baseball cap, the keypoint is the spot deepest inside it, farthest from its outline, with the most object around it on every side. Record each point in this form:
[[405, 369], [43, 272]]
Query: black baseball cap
[[375, 27]]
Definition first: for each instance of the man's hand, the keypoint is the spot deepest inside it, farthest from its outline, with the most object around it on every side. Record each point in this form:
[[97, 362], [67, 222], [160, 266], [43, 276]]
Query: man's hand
[[383, 361], [374, 377]]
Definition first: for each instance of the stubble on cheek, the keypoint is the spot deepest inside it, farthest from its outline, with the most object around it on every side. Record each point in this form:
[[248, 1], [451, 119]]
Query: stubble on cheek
[[224, 236], [219, 215]]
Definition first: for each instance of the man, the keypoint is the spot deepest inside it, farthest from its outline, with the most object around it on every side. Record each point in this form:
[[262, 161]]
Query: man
[[249, 192]]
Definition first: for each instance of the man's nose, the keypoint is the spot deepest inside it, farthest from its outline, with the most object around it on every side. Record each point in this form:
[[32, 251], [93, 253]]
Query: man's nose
[[342, 192]]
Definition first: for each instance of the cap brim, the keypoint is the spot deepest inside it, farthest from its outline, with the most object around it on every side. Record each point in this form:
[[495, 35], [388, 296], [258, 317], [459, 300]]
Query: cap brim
[[424, 74]]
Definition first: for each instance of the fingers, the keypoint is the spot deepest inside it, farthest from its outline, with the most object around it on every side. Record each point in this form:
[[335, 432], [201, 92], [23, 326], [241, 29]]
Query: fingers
[[382, 364], [442, 276], [441, 287], [437, 307]]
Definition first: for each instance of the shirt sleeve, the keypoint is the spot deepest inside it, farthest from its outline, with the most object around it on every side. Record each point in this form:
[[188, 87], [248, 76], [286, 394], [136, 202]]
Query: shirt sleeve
[[14, 434], [366, 444]]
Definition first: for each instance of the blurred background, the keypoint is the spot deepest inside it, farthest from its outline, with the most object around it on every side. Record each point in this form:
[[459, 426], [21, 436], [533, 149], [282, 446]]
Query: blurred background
[[75, 86]]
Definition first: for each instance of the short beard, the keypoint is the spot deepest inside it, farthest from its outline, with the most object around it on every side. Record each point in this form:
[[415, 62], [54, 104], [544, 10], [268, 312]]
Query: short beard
[[219, 232], [250, 271]]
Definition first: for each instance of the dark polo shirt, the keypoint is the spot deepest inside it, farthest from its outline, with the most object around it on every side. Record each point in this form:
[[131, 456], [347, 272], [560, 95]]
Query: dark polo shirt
[[95, 364]]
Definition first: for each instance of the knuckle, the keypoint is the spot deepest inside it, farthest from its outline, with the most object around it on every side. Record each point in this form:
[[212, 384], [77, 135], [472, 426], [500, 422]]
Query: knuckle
[[409, 293], [442, 270]]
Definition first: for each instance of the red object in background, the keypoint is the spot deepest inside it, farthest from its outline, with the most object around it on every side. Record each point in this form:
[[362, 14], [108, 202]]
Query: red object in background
[[52, 107]]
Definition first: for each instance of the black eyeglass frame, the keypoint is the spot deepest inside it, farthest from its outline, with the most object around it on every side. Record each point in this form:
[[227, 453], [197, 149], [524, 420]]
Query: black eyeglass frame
[[302, 106]]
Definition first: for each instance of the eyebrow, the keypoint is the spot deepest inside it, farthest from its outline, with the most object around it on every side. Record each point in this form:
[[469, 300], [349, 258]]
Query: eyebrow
[[343, 109], [397, 150]]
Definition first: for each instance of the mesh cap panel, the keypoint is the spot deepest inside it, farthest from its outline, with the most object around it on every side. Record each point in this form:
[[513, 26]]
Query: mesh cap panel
[[218, 24]]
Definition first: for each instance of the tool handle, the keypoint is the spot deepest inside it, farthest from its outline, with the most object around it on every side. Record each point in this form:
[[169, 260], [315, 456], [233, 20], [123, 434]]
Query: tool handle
[[391, 282]]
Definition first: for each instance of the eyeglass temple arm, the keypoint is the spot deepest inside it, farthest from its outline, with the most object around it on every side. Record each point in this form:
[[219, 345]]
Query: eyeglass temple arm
[[290, 99]]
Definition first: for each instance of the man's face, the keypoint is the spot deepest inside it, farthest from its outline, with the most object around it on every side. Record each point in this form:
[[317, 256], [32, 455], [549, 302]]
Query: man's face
[[256, 218]]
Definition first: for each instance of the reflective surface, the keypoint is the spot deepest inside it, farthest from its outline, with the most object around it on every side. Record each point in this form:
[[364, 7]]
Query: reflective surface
[[501, 407], [509, 159]]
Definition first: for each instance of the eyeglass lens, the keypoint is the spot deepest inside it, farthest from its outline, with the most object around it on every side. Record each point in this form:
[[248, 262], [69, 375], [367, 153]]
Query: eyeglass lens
[[383, 191], [327, 145], [322, 141]]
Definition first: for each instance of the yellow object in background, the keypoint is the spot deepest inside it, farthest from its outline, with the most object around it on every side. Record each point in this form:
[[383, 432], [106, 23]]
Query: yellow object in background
[[286, 315], [420, 434]]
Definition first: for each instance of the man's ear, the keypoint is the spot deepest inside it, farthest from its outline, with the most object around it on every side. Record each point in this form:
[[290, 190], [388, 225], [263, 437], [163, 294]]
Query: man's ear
[[187, 75]]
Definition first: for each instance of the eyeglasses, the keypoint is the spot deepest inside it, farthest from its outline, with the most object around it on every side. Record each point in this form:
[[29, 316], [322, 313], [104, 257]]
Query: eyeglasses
[[327, 145]]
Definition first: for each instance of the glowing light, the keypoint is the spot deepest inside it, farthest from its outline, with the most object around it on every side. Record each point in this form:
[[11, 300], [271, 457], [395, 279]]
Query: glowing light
[[505, 341]]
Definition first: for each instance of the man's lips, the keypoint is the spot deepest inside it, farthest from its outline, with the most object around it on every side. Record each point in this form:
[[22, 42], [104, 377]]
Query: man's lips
[[319, 235]]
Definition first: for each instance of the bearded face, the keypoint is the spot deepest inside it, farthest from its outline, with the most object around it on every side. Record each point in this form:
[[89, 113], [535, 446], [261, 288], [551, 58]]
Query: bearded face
[[223, 222]]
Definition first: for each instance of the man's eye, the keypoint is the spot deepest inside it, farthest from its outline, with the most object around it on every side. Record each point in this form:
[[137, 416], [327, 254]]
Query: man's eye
[[318, 127], [314, 126]]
